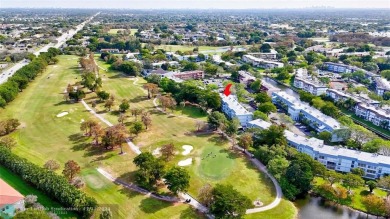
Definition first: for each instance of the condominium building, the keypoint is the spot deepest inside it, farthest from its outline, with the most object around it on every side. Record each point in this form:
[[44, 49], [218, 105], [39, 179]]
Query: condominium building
[[341, 68], [334, 157], [376, 115], [233, 109], [338, 95], [381, 86], [301, 111], [308, 83], [259, 62], [245, 77]]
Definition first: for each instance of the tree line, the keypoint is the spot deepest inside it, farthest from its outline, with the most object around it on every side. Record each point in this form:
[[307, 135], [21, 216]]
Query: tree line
[[19, 81]]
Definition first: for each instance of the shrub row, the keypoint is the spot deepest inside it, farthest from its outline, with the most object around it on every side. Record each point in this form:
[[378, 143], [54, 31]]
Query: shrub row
[[52, 184]]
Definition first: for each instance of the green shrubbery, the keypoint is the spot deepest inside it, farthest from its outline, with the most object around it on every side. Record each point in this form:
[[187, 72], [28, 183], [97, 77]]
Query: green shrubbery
[[50, 183]]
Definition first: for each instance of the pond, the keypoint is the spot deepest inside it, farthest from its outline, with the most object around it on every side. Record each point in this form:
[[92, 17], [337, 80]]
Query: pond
[[318, 208]]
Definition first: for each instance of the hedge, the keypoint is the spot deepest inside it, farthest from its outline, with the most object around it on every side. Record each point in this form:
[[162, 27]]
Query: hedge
[[50, 183]]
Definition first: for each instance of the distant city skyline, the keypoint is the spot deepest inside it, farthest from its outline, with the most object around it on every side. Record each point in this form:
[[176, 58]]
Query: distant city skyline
[[194, 4]]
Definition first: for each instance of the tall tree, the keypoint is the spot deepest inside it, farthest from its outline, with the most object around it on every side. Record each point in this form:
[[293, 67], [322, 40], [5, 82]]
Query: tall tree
[[228, 202], [146, 119], [167, 151], [151, 88], [246, 140], [177, 179], [205, 195], [351, 180], [71, 169]]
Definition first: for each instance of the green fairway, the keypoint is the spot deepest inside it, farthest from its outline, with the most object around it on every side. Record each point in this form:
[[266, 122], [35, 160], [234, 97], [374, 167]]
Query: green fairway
[[43, 136], [25, 189]]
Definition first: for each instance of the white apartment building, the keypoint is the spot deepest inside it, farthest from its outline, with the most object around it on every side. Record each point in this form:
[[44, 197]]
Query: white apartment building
[[233, 109], [259, 62], [334, 157], [301, 111], [381, 86], [308, 83]]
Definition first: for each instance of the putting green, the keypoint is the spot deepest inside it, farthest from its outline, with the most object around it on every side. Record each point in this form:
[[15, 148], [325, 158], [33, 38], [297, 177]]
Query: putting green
[[215, 163]]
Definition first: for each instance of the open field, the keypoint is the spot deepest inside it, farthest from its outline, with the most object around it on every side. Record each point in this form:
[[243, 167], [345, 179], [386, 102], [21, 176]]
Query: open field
[[115, 31], [43, 136], [17, 183]]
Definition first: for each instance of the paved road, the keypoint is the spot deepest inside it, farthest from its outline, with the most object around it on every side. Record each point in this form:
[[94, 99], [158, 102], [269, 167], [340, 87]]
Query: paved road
[[60, 41]]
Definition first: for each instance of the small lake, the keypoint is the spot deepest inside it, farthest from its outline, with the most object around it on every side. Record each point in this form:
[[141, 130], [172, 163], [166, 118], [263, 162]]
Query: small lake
[[317, 208]]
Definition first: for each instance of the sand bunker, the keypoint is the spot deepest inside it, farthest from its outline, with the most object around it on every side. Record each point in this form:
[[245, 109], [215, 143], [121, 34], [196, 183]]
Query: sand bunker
[[187, 149], [156, 151], [62, 114], [185, 162]]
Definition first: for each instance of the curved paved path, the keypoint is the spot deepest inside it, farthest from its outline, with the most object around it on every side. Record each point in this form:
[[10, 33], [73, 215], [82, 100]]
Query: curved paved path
[[259, 166], [193, 201], [137, 151]]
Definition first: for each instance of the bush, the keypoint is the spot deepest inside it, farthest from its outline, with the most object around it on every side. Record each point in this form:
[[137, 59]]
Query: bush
[[50, 183]]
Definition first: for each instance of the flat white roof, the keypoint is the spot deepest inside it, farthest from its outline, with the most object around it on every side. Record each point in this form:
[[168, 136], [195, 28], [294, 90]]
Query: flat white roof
[[318, 145], [303, 106], [234, 105]]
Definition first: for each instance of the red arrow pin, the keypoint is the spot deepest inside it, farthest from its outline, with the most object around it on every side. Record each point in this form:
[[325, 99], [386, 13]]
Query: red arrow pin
[[227, 90]]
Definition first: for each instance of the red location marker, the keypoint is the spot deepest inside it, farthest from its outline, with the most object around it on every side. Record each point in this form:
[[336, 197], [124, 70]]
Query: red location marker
[[227, 90]]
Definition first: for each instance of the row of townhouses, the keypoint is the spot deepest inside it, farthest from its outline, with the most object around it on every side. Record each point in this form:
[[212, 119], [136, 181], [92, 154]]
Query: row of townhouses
[[364, 107], [259, 62], [308, 83], [333, 157], [301, 111]]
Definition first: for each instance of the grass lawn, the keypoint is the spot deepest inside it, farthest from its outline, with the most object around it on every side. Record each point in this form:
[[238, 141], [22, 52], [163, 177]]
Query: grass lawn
[[358, 194], [115, 31], [25, 189], [285, 209], [43, 136]]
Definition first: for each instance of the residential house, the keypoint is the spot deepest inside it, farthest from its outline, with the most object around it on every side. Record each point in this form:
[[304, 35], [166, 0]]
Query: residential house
[[11, 201]]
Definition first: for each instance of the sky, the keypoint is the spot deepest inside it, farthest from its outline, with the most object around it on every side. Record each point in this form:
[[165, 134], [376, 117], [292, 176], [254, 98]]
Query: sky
[[193, 4]]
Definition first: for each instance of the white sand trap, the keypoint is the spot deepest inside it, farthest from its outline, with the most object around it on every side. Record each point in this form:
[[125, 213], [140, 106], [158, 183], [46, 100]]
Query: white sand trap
[[156, 151], [185, 162], [62, 114], [82, 120], [187, 149]]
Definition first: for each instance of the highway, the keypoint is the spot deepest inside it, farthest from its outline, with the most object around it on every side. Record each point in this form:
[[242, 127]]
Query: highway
[[60, 41]]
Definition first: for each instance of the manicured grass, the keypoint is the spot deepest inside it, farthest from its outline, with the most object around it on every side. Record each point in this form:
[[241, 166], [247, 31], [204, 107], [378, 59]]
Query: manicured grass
[[285, 209], [43, 136], [357, 194], [215, 163], [25, 189]]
